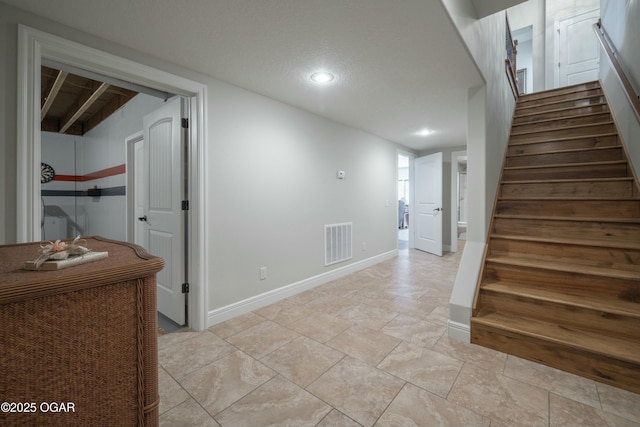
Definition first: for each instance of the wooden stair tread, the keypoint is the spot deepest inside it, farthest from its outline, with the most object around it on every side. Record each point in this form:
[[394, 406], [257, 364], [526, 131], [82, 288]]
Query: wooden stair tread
[[558, 165], [617, 244], [564, 267], [618, 307], [572, 218], [555, 119], [556, 93], [563, 139], [561, 128], [571, 198], [523, 105], [564, 336], [578, 87], [563, 263], [559, 110], [563, 180], [567, 151]]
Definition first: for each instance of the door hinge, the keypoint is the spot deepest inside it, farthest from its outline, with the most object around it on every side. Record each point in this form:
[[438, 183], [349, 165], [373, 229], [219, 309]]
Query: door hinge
[[185, 123], [185, 288], [185, 205]]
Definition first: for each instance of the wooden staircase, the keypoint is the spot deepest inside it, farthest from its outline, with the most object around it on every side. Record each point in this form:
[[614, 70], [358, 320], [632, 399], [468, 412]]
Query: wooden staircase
[[560, 283]]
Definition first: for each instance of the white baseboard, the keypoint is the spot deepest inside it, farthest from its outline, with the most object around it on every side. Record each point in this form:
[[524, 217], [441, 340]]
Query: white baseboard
[[241, 307], [459, 331]]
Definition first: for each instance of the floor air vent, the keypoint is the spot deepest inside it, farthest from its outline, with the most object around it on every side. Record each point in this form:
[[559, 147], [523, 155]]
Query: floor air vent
[[337, 242]]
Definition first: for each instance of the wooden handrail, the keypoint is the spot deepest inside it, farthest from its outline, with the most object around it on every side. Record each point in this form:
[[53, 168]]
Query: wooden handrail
[[632, 96], [510, 62]]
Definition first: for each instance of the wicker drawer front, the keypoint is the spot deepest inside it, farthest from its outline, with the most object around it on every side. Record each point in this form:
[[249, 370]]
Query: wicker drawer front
[[74, 355]]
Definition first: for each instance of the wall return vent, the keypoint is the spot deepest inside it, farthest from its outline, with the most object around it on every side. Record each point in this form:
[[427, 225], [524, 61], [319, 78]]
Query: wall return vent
[[337, 243]]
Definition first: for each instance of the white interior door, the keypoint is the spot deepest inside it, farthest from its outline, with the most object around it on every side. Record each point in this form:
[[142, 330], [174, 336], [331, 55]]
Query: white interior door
[[578, 50], [164, 223], [427, 226], [139, 193]]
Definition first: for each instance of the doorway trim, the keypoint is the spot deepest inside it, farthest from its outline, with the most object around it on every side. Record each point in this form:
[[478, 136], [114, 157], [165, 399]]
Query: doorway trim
[[33, 46], [455, 155], [557, 39], [411, 157], [130, 144]]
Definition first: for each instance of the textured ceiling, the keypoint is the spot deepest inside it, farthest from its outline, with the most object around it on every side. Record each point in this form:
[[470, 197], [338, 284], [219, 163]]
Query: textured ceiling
[[400, 65]]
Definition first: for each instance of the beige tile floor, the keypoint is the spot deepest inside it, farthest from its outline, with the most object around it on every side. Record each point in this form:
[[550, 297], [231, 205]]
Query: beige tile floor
[[369, 349]]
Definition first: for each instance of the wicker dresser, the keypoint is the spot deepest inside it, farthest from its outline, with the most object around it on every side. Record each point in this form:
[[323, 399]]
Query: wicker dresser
[[78, 346]]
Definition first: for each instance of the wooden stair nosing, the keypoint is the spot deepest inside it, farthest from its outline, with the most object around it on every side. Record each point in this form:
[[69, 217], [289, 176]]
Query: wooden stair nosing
[[564, 267], [619, 308], [572, 218], [562, 128], [541, 106], [558, 93], [578, 87], [569, 198], [560, 110], [555, 119], [597, 243], [559, 165], [564, 139], [568, 180], [566, 151], [565, 337], [571, 340]]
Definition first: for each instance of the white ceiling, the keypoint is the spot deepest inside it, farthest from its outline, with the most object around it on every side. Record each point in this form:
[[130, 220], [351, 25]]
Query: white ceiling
[[489, 7], [400, 66]]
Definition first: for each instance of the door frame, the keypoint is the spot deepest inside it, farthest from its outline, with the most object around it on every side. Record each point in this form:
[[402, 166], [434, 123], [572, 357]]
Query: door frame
[[411, 156], [130, 143], [439, 249], [454, 198], [34, 46], [556, 41]]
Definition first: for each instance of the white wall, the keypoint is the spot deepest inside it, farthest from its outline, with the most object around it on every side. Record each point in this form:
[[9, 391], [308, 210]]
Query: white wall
[[101, 148], [104, 147], [620, 25], [58, 150], [541, 16], [490, 112], [271, 184], [530, 14], [273, 169], [485, 40], [525, 61], [620, 21]]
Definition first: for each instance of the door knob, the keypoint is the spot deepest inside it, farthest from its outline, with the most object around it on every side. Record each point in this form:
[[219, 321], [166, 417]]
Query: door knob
[[142, 218], [437, 209]]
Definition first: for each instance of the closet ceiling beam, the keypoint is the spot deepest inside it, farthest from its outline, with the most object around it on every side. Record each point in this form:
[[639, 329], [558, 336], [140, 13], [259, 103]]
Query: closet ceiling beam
[[87, 98], [51, 96]]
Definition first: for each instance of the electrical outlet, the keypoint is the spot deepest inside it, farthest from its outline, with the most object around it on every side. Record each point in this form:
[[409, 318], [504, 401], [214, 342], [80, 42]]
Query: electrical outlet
[[263, 273], [364, 246]]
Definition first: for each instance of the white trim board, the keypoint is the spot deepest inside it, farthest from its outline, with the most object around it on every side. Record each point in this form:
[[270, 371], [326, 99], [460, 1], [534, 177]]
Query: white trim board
[[33, 47], [458, 331], [464, 290], [245, 306]]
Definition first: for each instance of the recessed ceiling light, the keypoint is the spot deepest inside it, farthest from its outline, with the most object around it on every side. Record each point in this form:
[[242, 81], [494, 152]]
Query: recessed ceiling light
[[322, 77], [425, 132]]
